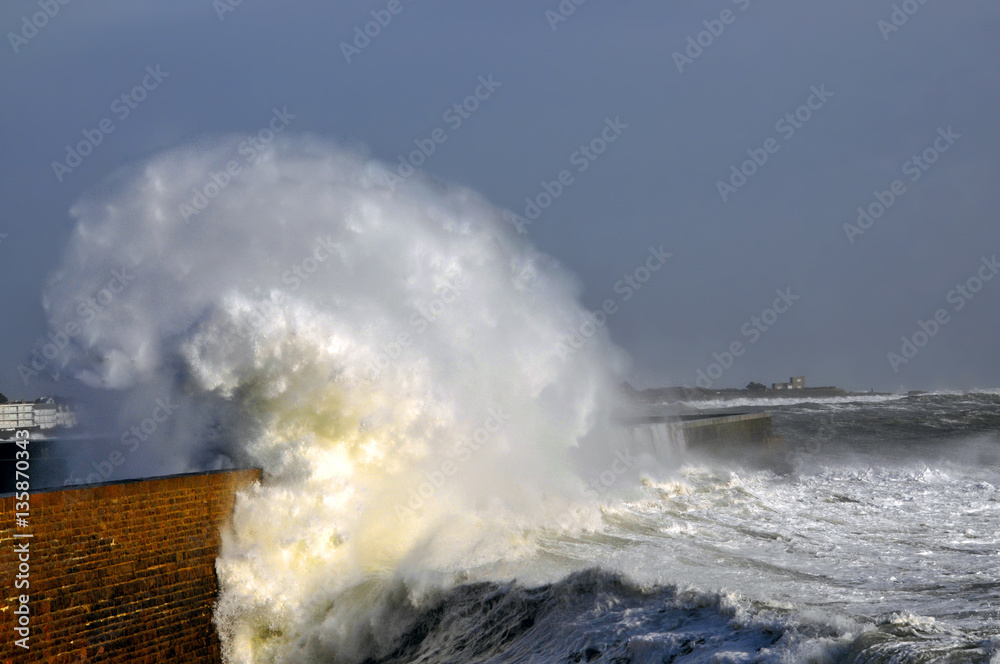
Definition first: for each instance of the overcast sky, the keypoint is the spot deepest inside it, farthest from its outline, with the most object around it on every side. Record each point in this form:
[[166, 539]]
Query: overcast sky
[[833, 100]]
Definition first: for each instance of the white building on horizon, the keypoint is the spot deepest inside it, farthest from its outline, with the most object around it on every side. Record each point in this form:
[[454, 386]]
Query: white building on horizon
[[794, 383], [31, 415]]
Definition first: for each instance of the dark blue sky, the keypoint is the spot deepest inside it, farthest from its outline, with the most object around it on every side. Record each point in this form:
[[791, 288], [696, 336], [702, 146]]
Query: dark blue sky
[[832, 104]]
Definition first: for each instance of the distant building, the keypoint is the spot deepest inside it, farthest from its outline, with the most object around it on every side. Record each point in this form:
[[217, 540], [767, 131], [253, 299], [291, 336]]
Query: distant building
[[17, 416], [44, 414], [794, 383]]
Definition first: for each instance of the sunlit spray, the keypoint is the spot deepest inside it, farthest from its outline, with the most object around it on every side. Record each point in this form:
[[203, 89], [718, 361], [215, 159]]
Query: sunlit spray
[[386, 355]]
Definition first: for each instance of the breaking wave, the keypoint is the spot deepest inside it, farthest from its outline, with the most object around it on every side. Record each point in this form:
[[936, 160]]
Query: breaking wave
[[390, 354]]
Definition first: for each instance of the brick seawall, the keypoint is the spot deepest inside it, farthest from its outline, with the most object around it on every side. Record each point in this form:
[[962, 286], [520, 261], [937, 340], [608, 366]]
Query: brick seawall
[[121, 572]]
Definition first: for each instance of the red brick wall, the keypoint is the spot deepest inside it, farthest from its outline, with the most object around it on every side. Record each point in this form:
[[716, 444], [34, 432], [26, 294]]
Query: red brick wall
[[120, 572]]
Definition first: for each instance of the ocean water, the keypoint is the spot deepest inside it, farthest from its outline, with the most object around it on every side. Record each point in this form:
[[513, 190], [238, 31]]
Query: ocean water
[[445, 475], [878, 540]]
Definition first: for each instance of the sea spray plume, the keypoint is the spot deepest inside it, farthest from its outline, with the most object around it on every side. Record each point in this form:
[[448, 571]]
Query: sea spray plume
[[388, 357]]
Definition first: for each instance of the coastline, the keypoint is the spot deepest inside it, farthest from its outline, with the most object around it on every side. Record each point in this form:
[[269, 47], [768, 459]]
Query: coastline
[[675, 394]]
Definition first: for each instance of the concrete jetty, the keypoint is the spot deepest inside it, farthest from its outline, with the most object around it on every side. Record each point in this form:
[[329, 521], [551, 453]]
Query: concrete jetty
[[716, 428]]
